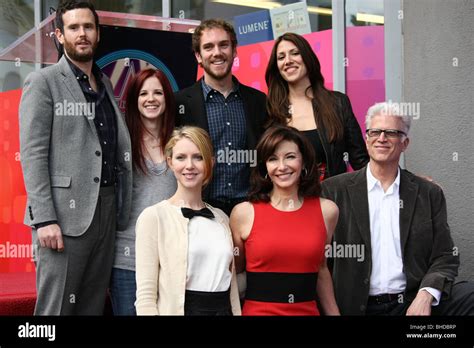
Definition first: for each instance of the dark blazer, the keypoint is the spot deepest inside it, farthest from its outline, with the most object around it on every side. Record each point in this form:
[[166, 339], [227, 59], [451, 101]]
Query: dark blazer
[[352, 143], [425, 238], [190, 110]]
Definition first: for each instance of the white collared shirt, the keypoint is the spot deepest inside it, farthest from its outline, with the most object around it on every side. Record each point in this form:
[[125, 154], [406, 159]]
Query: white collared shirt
[[387, 275]]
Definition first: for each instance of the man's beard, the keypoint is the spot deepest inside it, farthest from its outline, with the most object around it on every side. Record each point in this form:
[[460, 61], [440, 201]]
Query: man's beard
[[73, 54], [208, 70]]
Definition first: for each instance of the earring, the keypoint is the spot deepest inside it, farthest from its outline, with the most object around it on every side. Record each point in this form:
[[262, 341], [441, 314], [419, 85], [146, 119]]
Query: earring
[[305, 171], [266, 176]]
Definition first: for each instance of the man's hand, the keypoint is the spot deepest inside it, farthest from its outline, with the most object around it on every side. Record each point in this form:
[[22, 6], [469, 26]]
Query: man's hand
[[51, 237], [421, 305]]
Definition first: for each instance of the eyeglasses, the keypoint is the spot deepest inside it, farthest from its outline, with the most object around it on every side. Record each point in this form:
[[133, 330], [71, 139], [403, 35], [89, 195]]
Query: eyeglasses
[[389, 133]]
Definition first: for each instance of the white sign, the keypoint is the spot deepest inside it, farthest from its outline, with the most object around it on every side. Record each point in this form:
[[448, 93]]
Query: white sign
[[290, 18]]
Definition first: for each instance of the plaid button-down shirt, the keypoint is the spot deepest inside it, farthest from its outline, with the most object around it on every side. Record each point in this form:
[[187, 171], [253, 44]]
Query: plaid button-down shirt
[[227, 125]]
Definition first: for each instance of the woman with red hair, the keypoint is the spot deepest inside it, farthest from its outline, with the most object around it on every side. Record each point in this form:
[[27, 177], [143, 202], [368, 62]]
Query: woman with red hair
[[150, 118]]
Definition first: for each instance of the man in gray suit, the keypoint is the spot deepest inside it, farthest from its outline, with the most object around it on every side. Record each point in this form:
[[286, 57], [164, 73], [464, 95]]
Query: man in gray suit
[[76, 160], [408, 262]]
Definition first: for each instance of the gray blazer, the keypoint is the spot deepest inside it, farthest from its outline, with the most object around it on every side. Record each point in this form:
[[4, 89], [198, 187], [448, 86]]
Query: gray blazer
[[61, 155]]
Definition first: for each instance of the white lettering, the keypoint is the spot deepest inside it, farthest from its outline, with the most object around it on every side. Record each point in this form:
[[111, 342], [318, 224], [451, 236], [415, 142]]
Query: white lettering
[[237, 156], [10, 251], [335, 250], [37, 331], [253, 27], [75, 109]]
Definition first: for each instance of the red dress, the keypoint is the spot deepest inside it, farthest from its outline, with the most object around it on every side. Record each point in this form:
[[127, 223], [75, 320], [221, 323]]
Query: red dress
[[283, 253]]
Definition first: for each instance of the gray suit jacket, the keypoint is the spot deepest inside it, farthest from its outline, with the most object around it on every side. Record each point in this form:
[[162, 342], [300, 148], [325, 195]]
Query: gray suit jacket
[[61, 155], [427, 250]]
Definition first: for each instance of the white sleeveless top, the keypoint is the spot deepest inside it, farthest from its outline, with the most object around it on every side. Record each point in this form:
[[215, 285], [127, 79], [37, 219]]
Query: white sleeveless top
[[210, 256]]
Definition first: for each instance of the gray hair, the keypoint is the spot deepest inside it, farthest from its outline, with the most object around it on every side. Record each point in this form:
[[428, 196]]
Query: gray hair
[[385, 108]]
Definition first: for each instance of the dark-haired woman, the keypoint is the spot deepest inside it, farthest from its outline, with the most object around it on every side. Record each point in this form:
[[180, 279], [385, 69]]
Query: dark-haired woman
[[150, 119], [281, 234], [297, 97]]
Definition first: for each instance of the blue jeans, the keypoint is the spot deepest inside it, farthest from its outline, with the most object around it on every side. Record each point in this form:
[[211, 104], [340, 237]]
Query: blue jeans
[[123, 288]]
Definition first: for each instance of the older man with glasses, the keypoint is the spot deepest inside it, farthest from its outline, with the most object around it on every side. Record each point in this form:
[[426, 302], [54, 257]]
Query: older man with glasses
[[400, 219]]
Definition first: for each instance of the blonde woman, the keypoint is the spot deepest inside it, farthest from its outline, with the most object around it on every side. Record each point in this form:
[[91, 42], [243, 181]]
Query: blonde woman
[[184, 249]]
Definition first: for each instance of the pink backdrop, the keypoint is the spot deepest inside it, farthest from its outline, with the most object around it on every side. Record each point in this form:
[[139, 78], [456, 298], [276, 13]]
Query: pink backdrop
[[365, 73]]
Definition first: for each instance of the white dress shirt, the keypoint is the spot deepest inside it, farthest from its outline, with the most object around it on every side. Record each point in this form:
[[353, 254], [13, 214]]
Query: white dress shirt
[[387, 275]]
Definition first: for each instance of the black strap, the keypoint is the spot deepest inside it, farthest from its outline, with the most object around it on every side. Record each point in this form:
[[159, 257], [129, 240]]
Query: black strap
[[281, 287]]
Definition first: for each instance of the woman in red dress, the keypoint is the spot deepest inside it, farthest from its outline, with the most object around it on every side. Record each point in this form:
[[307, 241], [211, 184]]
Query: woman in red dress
[[281, 234]]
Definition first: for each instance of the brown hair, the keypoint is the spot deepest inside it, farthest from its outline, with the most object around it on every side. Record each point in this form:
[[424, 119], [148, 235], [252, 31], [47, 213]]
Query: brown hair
[[324, 103], [211, 24], [260, 187], [134, 120], [203, 142], [68, 5]]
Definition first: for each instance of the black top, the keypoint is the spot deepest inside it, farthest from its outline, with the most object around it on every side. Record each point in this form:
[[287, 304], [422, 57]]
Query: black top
[[313, 136], [351, 148]]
